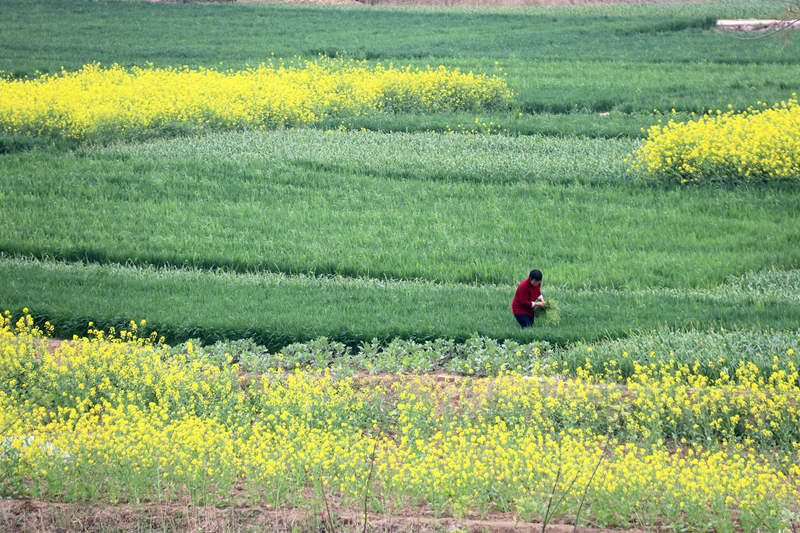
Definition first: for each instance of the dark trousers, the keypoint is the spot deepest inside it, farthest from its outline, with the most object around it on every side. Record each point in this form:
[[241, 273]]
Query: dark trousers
[[525, 321]]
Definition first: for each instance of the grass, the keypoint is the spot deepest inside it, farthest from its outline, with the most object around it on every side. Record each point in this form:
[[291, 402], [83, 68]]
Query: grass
[[276, 310], [350, 251], [609, 125], [418, 206], [433, 207], [628, 59], [127, 33]]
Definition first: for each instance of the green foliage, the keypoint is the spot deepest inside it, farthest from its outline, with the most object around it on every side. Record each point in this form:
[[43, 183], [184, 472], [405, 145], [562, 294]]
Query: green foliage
[[363, 252], [403, 206], [442, 212], [714, 351], [478, 356], [581, 124], [565, 59], [277, 310], [707, 353], [550, 312]]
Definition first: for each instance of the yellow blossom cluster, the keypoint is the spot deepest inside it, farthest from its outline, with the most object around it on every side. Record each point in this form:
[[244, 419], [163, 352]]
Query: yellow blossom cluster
[[758, 143], [114, 101], [116, 417]]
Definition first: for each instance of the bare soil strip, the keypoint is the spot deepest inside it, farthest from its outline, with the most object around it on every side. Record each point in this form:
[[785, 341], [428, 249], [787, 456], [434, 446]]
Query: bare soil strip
[[17, 516]]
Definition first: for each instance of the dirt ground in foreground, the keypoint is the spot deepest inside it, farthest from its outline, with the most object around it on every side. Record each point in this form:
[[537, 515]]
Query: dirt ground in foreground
[[17, 516]]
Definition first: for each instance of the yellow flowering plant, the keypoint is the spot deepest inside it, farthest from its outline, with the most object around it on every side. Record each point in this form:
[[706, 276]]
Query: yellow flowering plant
[[758, 143], [98, 102], [115, 417]]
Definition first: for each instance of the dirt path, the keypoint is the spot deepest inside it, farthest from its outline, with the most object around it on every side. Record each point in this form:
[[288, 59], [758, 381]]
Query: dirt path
[[32, 515]]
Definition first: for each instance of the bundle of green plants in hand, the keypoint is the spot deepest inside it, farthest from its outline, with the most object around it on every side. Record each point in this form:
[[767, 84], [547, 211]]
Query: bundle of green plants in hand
[[548, 312]]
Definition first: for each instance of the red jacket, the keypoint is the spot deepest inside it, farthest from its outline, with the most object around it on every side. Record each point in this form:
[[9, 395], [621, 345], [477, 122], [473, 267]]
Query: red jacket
[[526, 293]]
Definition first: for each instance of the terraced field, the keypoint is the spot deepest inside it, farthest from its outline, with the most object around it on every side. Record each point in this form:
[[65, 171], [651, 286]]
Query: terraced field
[[286, 239]]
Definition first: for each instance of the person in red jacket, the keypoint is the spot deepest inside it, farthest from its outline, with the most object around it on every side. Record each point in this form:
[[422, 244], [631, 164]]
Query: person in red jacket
[[527, 298]]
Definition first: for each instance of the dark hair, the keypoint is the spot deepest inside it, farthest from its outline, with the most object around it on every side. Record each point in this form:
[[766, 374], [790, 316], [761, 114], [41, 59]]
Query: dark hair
[[536, 274]]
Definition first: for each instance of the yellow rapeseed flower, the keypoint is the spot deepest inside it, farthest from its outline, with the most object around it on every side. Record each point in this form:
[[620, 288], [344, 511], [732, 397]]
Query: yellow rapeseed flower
[[114, 101]]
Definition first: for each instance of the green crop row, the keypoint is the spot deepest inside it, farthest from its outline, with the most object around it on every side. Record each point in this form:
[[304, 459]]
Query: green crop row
[[276, 310], [709, 353], [627, 59], [42, 35], [436, 207]]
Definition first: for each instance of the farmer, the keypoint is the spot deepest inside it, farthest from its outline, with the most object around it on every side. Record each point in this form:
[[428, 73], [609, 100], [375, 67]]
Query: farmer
[[527, 298]]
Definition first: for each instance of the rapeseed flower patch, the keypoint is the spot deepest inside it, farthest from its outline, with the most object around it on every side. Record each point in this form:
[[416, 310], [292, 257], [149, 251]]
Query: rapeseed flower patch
[[759, 143], [119, 417], [98, 101]]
